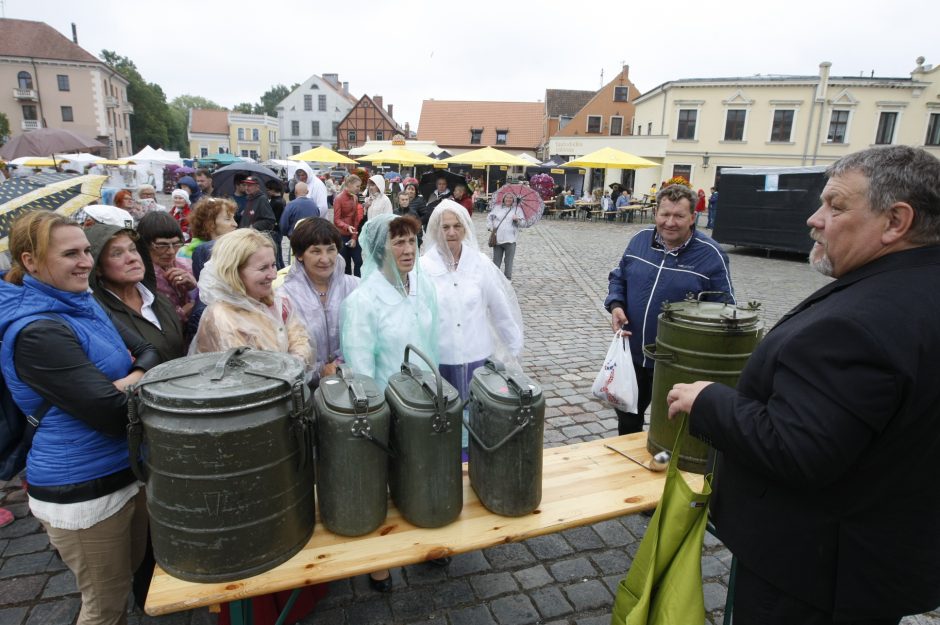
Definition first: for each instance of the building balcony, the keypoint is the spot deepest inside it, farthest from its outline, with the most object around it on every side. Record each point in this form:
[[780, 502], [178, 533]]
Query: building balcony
[[128, 108], [110, 101], [28, 95], [31, 124]]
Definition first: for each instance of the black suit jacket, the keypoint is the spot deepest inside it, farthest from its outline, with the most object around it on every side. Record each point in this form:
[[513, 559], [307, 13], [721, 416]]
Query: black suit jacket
[[827, 485]]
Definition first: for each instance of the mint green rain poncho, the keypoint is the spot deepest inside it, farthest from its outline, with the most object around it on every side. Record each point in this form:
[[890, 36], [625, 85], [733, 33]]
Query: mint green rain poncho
[[381, 316]]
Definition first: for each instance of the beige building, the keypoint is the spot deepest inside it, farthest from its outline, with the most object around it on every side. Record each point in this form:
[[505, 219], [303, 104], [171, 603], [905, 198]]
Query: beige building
[[254, 136], [51, 82], [706, 124], [208, 132]]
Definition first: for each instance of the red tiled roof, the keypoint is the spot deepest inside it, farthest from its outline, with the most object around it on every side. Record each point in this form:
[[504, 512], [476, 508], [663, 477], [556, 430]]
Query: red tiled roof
[[209, 121], [25, 38], [448, 122], [566, 101]]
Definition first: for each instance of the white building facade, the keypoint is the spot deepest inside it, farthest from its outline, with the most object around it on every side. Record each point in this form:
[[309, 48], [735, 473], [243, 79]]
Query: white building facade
[[309, 115]]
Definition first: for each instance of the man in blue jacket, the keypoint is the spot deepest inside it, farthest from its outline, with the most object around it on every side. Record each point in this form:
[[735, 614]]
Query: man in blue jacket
[[661, 264]]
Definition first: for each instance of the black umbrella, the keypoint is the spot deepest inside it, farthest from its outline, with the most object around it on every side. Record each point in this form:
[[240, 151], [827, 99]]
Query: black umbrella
[[429, 181], [223, 179]]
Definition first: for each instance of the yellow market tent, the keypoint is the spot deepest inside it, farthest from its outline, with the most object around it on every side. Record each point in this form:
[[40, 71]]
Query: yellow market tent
[[321, 154], [610, 158], [398, 156]]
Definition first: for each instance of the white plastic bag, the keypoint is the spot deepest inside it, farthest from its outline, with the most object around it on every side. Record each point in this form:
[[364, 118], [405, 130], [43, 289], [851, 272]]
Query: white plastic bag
[[616, 381]]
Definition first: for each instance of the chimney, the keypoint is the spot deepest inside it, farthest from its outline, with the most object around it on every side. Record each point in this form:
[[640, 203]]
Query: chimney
[[407, 130], [626, 71], [333, 79], [823, 87], [345, 88], [390, 112], [378, 100], [74, 34]]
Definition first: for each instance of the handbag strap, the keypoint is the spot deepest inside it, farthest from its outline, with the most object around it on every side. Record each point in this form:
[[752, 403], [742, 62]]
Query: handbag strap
[[503, 219]]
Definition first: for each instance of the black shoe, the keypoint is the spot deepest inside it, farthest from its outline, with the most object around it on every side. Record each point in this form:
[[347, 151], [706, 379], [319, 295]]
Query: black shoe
[[441, 562], [381, 585]]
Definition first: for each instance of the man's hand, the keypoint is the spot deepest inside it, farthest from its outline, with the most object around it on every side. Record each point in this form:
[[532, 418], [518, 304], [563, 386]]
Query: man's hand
[[618, 319], [681, 397]]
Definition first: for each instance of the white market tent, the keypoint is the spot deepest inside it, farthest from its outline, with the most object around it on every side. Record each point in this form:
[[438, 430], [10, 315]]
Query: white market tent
[[371, 147]]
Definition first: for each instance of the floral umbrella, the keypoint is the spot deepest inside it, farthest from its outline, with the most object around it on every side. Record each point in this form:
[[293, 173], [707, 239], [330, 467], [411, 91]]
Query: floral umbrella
[[525, 197]]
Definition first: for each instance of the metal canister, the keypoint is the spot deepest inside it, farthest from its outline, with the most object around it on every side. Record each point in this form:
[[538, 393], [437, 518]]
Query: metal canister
[[228, 462], [507, 419], [425, 474], [352, 453], [697, 340]]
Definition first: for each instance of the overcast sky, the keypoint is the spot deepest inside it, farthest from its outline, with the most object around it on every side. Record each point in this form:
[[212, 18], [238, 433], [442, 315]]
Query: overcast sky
[[408, 51]]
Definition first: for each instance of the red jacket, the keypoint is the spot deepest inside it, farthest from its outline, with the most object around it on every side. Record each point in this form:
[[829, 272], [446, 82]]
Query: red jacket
[[466, 202], [347, 211]]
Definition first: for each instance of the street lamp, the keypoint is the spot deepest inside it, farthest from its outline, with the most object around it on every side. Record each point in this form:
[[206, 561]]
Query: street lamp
[[705, 159]]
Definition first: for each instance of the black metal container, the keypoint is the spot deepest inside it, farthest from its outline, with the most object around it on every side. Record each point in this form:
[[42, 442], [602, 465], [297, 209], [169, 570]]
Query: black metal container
[[425, 475], [507, 418], [352, 453], [228, 462]]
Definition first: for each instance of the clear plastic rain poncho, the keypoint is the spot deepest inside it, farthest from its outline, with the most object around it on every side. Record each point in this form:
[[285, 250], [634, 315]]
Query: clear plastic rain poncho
[[381, 317], [232, 319], [478, 313]]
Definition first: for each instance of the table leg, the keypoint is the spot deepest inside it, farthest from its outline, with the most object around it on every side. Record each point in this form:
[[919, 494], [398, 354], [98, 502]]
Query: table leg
[[287, 608], [240, 612]]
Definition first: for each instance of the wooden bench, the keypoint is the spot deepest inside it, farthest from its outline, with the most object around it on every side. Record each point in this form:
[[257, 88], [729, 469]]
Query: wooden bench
[[582, 484]]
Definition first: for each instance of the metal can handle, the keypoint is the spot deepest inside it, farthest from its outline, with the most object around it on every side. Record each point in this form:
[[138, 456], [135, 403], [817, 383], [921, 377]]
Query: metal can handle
[[505, 440], [701, 293], [650, 352], [222, 364], [439, 400]]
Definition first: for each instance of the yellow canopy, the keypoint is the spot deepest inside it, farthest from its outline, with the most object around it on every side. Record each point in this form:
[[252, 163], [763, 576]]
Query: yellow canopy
[[399, 156], [116, 162], [611, 158], [39, 161], [488, 156], [321, 154]]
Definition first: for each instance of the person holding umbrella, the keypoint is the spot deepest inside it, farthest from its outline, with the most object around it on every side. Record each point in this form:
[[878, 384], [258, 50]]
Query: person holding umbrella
[[503, 223], [441, 191], [258, 213]]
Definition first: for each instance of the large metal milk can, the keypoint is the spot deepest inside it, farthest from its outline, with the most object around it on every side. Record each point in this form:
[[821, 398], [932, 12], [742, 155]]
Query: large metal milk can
[[227, 441], [507, 418], [697, 340], [352, 453], [425, 474]]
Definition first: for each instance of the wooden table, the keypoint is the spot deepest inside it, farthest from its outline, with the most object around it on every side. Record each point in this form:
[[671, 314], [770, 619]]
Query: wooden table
[[582, 483]]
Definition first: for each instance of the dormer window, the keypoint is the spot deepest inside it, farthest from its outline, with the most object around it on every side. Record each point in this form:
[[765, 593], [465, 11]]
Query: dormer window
[[476, 136], [502, 136]]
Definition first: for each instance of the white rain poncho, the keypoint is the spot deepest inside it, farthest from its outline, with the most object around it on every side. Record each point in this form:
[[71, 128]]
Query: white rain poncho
[[379, 319], [478, 313], [232, 319]]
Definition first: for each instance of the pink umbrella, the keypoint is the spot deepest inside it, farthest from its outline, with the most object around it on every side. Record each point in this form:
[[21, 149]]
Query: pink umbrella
[[526, 198]]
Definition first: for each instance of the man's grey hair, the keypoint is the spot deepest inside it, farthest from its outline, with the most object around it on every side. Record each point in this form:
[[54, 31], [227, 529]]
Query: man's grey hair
[[676, 192], [900, 173]]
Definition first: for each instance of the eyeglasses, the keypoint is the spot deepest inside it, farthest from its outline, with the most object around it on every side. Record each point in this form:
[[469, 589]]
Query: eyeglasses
[[163, 247]]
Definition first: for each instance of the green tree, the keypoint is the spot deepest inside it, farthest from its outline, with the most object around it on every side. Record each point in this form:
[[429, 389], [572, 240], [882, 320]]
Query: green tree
[[271, 97], [244, 107], [186, 102], [4, 128]]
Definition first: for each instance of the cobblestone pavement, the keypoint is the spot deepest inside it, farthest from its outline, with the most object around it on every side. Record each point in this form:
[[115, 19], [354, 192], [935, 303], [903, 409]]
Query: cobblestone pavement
[[566, 578]]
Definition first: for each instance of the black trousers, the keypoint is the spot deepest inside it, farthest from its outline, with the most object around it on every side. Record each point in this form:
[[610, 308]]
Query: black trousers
[[630, 422], [352, 255], [757, 602]]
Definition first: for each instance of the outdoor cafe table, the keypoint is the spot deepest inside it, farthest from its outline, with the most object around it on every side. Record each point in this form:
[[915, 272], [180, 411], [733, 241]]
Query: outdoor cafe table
[[582, 483]]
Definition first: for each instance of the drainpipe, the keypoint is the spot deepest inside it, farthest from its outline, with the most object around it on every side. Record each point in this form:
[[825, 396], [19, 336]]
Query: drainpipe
[[821, 96], [42, 115]]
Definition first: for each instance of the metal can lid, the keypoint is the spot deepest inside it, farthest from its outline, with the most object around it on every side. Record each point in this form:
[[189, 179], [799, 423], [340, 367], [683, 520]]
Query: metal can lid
[[339, 393], [696, 311], [213, 382]]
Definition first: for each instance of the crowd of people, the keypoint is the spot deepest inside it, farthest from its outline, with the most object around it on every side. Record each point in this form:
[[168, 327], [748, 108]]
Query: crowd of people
[[87, 308]]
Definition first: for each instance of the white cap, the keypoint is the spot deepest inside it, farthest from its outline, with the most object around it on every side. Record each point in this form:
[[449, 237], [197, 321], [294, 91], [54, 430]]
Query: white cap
[[110, 215]]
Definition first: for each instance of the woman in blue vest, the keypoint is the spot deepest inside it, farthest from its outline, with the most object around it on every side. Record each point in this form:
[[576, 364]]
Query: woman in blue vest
[[63, 355]]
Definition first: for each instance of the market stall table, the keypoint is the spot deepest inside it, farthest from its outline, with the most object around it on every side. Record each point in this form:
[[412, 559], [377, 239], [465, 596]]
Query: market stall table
[[582, 484]]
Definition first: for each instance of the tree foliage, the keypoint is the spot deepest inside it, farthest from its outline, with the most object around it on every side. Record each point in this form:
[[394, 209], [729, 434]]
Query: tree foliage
[[186, 102], [4, 128], [244, 107], [268, 103]]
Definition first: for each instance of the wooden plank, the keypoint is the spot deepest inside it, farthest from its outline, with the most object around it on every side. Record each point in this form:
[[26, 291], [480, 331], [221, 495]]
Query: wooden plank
[[582, 484]]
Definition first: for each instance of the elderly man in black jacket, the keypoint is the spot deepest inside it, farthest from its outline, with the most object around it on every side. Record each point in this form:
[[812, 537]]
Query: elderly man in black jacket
[[826, 487], [258, 213]]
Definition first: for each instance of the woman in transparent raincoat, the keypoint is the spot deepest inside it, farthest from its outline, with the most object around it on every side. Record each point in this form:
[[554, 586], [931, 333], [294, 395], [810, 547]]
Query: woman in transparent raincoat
[[478, 314], [394, 305], [241, 305]]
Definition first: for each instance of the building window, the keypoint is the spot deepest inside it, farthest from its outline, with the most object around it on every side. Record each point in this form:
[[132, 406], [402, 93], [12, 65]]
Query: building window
[[241, 134], [255, 134], [321, 102], [616, 126], [351, 136], [335, 128], [687, 119], [29, 112], [244, 152], [63, 81], [649, 128], [203, 152], [271, 137], [502, 137], [295, 148], [253, 154], [682, 170], [476, 135], [734, 124], [562, 121], [886, 124], [380, 135], [315, 129], [222, 149], [295, 128], [594, 123], [24, 80], [308, 102], [67, 115], [933, 130], [782, 126], [838, 125], [621, 94]]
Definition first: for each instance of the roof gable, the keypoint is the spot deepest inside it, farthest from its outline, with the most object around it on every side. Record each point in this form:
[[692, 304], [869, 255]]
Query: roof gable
[[449, 122], [25, 38], [208, 121], [366, 102], [566, 102]]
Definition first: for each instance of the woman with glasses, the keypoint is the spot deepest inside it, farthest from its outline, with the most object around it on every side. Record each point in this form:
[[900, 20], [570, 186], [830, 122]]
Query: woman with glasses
[[161, 235]]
